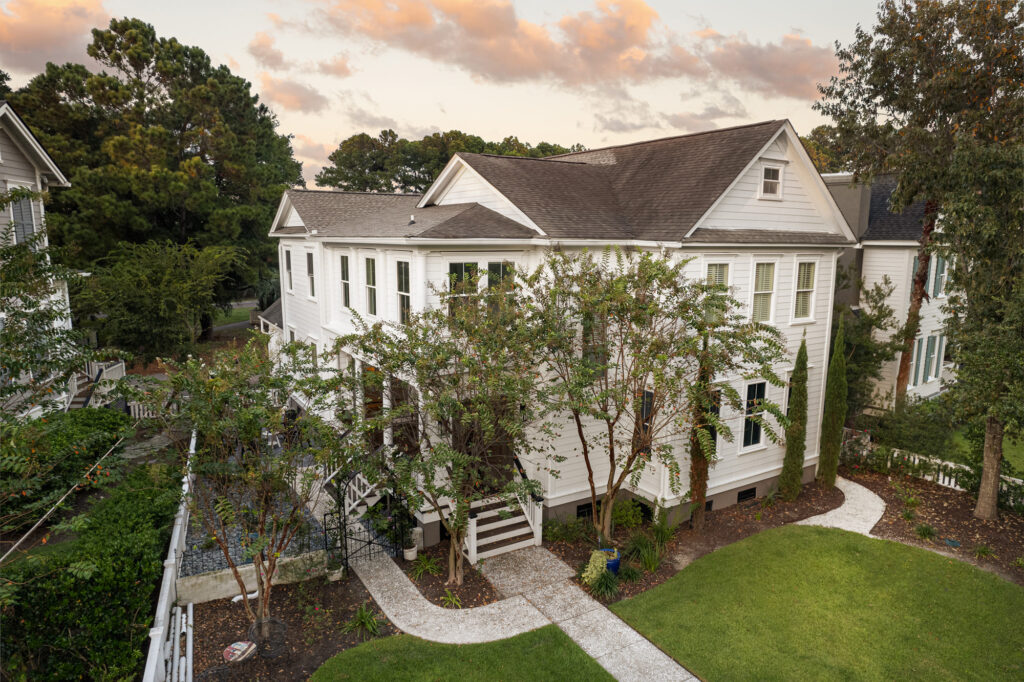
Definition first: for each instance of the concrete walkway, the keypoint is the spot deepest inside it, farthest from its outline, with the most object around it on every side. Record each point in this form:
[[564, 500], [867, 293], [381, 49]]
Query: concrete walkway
[[859, 512]]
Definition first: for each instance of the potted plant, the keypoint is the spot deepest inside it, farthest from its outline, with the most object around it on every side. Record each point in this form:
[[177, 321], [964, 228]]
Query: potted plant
[[409, 547], [613, 558]]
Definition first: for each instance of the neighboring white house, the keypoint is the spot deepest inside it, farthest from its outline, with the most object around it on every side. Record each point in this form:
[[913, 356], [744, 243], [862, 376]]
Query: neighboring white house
[[745, 204], [24, 163], [888, 244]]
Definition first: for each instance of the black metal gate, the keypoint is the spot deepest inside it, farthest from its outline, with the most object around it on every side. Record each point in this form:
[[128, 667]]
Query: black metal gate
[[368, 532]]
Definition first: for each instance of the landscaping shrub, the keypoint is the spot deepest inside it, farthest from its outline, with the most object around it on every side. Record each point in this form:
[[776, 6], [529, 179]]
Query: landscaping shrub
[[364, 623], [791, 479], [924, 427], [629, 573], [85, 613], [597, 565], [606, 586], [450, 600], [645, 551], [628, 514], [924, 531], [52, 454], [423, 564], [661, 530], [570, 530]]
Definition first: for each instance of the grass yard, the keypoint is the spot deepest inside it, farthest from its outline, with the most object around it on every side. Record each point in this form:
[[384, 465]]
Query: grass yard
[[1013, 450], [544, 654], [240, 314], [805, 603]]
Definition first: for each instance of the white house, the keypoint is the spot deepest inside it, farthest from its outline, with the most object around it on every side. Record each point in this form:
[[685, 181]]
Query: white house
[[888, 244], [744, 203]]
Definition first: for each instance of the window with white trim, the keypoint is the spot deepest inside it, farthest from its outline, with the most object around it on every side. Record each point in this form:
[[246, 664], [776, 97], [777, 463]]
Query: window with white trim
[[803, 307], [939, 284], [929, 359], [461, 276], [371, 286], [752, 432], [718, 274], [764, 292], [288, 267], [404, 298], [291, 335], [771, 182], [310, 275], [346, 287]]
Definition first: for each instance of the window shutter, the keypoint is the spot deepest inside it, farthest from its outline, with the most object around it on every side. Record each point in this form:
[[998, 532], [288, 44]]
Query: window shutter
[[929, 356], [917, 362], [21, 213], [940, 275], [913, 275]]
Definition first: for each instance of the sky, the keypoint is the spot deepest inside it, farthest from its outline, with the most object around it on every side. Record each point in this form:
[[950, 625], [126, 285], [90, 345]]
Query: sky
[[595, 72]]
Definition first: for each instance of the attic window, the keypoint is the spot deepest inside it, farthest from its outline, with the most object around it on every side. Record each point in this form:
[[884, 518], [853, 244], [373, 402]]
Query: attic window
[[771, 182]]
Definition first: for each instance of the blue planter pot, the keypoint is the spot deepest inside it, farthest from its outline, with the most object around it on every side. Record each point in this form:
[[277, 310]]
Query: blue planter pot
[[613, 564]]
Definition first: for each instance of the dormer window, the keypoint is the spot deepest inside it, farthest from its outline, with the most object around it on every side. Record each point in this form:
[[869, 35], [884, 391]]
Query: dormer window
[[771, 182]]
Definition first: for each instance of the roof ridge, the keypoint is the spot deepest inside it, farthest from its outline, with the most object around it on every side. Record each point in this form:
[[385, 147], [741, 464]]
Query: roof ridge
[[670, 137], [527, 158], [342, 191]]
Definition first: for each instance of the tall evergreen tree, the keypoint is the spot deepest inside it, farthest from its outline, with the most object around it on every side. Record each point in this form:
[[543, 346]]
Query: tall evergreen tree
[[796, 433], [835, 412]]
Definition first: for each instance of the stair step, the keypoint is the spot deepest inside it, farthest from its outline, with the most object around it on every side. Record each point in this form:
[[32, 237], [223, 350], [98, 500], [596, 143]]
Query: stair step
[[487, 504], [499, 535], [495, 512], [504, 549], [498, 523]]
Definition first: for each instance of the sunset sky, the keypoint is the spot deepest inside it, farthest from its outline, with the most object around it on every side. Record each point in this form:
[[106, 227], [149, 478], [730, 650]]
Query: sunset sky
[[597, 72]]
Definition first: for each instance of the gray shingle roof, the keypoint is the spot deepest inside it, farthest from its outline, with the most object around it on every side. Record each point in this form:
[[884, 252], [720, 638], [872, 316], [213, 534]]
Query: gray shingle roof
[[478, 222], [883, 224], [767, 236], [273, 314]]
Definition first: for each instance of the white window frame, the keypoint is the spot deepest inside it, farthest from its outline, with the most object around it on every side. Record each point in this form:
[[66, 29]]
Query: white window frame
[[310, 275], [797, 261], [288, 269], [761, 180], [345, 278], [762, 444], [291, 333], [407, 294], [371, 288], [775, 286], [728, 271]]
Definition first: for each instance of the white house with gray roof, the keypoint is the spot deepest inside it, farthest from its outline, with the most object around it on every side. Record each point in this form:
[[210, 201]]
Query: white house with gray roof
[[745, 204]]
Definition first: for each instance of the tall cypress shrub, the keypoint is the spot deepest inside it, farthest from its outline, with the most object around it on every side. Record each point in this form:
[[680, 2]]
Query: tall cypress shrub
[[796, 433], [835, 412]]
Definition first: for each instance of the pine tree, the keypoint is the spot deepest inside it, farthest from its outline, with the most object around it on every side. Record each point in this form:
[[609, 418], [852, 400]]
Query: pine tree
[[835, 412], [796, 434]]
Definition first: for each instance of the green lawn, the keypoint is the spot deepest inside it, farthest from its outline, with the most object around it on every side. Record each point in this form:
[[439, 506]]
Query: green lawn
[[1013, 450], [544, 654], [236, 315], [804, 603]]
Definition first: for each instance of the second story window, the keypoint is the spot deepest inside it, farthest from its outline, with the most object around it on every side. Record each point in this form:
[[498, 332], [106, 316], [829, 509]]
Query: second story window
[[288, 268], [346, 290], [764, 292], [404, 299], [804, 291], [371, 286], [309, 273], [718, 274], [771, 182], [24, 223]]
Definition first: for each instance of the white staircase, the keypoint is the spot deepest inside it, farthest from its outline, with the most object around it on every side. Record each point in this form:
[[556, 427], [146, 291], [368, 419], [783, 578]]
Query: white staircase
[[497, 528]]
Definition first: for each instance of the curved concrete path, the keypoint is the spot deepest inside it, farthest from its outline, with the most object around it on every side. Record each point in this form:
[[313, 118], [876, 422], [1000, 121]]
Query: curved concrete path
[[859, 512]]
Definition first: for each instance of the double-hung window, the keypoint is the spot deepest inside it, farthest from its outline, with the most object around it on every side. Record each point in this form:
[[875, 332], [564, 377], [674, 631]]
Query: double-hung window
[[771, 182], [371, 286], [497, 273], [309, 273], [929, 359], [718, 274], [404, 298], [288, 268], [752, 434], [917, 361], [461, 277], [764, 292], [346, 286], [802, 309]]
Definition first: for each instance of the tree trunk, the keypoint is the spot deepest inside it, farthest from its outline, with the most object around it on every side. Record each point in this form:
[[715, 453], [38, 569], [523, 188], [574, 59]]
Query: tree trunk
[[455, 558], [917, 295], [988, 494], [590, 469], [607, 504], [698, 485]]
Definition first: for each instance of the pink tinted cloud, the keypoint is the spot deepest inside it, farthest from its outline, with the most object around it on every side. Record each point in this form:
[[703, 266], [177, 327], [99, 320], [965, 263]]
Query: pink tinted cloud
[[312, 154], [269, 57], [790, 68], [708, 117], [619, 41], [338, 66], [291, 94], [33, 32]]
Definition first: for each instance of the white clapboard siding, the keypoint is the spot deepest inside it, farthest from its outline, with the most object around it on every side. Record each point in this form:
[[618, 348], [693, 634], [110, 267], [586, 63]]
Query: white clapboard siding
[[17, 171], [469, 188]]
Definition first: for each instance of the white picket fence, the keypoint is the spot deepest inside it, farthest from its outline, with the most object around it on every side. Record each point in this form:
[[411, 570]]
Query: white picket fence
[[170, 638]]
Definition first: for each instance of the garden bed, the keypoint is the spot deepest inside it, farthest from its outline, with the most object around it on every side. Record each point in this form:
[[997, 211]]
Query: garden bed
[[315, 612], [721, 527], [993, 545], [475, 590]]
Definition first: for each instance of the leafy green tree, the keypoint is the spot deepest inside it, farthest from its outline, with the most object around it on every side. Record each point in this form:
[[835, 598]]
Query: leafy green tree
[[821, 147], [928, 73], [463, 398], [983, 236], [5, 89], [796, 433], [152, 298], [159, 145], [834, 418]]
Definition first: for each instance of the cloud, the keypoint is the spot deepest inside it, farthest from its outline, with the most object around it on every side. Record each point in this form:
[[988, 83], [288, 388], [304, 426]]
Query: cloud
[[789, 68], [291, 95], [617, 42], [707, 119], [33, 32], [312, 154], [361, 112], [335, 67], [269, 57], [624, 116]]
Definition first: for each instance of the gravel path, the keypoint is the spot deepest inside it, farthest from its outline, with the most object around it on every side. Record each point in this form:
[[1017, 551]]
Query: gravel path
[[859, 513]]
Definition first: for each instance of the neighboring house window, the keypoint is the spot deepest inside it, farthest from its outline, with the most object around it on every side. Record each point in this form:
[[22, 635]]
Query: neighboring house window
[[371, 286], [346, 290], [316, 360], [751, 427], [291, 335], [595, 344], [940, 276], [771, 182], [642, 430], [459, 277], [309, 273], [24, 224], [404, 299], [498, 273], [929, 358], [913, 275], [917, 362], [804, 290], [718, 274], [288, 268], [764, 286]]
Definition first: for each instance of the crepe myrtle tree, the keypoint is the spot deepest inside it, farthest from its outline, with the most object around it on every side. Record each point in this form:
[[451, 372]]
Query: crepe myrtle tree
[[464, 394], [257, 468]]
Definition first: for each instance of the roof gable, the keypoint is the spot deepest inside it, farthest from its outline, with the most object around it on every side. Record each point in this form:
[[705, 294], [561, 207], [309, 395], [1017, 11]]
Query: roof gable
[[31, 146]]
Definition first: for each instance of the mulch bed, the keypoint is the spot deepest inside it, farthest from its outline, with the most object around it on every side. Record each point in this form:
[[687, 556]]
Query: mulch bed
[[312, 638], [475, 590], [721, 527], [951, 513]]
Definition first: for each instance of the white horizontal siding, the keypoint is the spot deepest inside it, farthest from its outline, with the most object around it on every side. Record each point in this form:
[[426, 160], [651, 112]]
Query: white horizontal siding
[[468, 187], [17, 171]]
